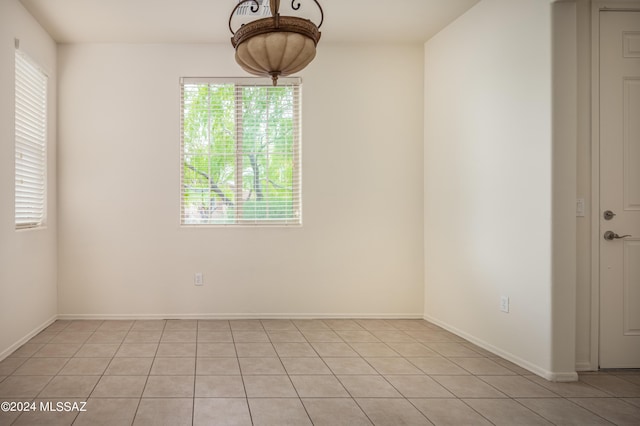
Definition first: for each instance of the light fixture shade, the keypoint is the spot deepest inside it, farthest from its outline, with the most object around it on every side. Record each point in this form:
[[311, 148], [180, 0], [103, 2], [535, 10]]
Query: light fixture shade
[[275, 53], [276, 46]]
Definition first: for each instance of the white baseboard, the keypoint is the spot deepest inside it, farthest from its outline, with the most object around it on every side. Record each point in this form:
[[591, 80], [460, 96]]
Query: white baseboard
[[584, 366], [228, 316], [26, 338], [569, 376]]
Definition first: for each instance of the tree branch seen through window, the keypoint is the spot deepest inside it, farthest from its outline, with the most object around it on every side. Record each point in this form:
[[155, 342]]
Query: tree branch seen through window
[[240, 153]]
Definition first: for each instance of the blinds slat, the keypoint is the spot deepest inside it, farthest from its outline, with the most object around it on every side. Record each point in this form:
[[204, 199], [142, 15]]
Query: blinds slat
[[29, 159]]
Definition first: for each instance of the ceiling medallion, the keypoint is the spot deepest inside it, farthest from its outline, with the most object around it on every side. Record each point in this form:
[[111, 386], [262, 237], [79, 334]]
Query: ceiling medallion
[[275, 46]]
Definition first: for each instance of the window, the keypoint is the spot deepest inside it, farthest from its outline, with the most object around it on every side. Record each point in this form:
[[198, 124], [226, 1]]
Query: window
[[240, 152], [30, 142]]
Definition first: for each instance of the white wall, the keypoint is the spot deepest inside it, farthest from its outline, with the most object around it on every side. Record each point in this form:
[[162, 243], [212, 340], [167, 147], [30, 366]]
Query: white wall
[[28, 299], [488, 184], [122, 252]]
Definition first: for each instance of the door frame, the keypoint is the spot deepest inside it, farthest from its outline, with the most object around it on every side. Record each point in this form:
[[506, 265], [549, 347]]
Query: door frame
[[596, 7]]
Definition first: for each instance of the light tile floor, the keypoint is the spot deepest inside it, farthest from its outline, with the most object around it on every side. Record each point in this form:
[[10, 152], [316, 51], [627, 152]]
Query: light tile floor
[[291, 372]]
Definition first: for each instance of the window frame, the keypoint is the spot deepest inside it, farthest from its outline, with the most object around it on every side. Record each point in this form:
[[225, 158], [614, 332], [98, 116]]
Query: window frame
[[296, 152], [31, 87]]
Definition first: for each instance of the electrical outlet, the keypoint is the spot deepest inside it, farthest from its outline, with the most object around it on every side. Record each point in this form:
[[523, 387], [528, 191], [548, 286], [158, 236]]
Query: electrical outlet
[[504, 304], [197, 278]]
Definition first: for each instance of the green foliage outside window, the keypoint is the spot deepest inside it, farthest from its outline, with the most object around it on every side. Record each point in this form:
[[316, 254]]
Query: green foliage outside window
[[240, 154]]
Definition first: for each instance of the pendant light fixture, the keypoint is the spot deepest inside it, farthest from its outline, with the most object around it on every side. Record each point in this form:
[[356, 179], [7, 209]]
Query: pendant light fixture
[[278, 45]]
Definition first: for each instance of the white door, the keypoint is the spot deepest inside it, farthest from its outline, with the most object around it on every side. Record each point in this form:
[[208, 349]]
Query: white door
[[619, 189]]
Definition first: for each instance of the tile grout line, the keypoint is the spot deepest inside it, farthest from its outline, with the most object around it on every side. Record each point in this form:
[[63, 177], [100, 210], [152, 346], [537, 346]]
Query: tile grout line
[[349, 392], [107, 366], [562, 398], [294, 386], [387, 380], [195, 376], [149, 373], [33, 399], [244, 386]]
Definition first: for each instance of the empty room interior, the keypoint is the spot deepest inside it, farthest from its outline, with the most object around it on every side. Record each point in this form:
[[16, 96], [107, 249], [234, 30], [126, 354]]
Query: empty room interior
[[435, 221]]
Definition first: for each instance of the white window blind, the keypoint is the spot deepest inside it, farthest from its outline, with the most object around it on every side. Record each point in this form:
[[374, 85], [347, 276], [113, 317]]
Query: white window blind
[[30, 142], [240, 152]]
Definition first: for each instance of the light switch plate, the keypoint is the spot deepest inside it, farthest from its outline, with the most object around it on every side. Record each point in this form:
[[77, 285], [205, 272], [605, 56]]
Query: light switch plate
[[197, 279], [504, 304], [580, 207]]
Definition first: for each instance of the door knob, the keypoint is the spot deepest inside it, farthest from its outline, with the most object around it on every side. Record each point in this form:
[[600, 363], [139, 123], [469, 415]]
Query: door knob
[[608, 215], [610, 236]]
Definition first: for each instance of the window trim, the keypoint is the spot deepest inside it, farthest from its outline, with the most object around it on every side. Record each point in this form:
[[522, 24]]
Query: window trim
[[296, 151]]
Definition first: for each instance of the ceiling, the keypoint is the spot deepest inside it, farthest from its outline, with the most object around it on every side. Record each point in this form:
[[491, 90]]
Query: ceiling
[[206, 21]]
